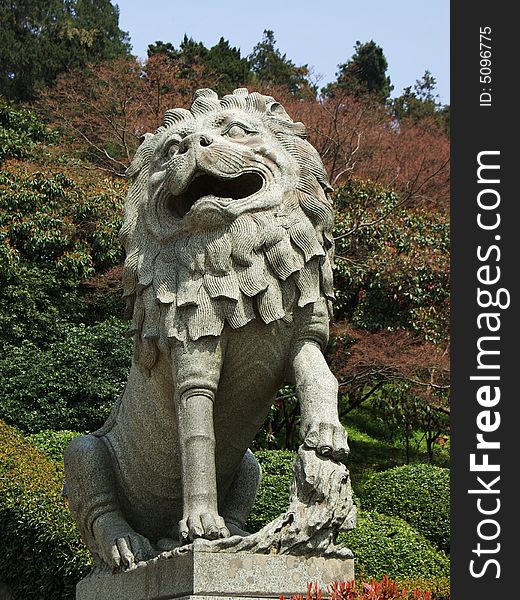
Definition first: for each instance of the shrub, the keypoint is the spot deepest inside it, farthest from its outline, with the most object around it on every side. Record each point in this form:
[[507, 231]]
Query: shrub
[[20, 130], [53, 443], [439, 587], [395, 273], [385, 545], [41, 556], [419, 494], [60, 220], [56, 231], [273, 495], [74, 383], [34, 303]]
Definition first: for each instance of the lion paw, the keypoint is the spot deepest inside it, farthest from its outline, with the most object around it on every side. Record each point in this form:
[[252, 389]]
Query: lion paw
[[126, 552], [328, 439], [202, 524], [118, 545]]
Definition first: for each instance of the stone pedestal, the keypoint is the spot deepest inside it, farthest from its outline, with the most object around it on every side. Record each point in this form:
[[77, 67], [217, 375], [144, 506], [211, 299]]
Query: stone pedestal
[[199, 575]]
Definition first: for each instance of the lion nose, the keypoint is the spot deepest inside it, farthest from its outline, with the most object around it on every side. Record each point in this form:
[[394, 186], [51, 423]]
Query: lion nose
[[194, 140], [205, 140]]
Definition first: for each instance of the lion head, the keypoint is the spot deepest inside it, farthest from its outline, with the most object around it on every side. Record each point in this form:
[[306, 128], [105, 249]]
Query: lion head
[[226, 219]]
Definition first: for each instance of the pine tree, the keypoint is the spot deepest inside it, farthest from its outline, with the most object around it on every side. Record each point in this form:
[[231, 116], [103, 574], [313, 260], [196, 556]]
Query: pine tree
[[364, 73], [421, 102], [221, 63], [226, 62], [42, 38], [271, 67]]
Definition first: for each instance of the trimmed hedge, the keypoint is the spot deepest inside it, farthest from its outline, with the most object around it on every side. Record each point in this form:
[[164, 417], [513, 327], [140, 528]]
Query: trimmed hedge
[[384, 545], [273, 495], [419, 494], [41, 555], [53, 443]]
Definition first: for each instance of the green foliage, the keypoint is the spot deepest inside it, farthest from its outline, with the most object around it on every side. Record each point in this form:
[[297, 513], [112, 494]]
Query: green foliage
[[160, 47], [385, 545], [55, 231], [281, 428], [95, 31], [373, 448], [407, 413], [419, 494], [20, 130], [369, 425], [73, 383], [368, 455], [52, 443], [273, 496], [35, 303], [364, 73], [42, 38], [50, 219], [382, 545], [189, 54], [42, 556], [395, 272]]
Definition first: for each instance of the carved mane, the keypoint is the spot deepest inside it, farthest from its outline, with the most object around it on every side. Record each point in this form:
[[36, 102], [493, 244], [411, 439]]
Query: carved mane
[[262, 265]]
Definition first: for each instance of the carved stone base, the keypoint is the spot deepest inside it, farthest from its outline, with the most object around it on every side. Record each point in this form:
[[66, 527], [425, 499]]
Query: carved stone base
[[199, 575]]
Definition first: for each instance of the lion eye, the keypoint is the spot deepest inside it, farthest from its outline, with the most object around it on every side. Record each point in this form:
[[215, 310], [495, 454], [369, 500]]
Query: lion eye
[[235, 131], [173, 146]]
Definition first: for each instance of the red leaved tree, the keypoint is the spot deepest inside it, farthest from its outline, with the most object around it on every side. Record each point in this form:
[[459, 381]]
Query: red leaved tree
[[106, 108]]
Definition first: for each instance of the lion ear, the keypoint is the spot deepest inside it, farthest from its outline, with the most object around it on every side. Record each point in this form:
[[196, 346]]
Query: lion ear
[[277, 110], [142, 156]]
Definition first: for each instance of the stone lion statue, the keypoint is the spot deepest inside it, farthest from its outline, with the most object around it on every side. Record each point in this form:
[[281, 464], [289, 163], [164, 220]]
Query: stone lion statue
[[228, 280]]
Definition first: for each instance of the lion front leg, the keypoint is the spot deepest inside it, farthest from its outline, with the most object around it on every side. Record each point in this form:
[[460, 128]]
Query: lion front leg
[[317, 391], [196, 376]]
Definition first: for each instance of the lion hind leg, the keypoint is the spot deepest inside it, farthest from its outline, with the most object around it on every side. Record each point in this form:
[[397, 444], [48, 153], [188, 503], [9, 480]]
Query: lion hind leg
[[241, 495], [92, 496]]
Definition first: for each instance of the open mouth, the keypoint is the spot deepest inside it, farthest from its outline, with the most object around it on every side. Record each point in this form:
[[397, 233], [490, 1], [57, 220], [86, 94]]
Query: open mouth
[[205, 185]]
